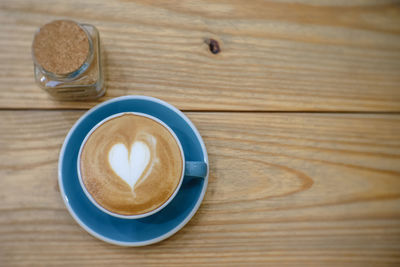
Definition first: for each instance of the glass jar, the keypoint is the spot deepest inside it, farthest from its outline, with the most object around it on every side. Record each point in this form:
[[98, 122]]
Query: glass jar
[[67, 60]]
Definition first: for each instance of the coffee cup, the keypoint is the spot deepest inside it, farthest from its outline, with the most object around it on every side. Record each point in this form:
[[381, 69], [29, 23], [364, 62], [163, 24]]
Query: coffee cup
[[131, 165]]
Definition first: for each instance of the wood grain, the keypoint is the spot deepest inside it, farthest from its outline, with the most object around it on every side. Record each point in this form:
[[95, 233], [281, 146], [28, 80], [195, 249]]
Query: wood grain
[[275, 55], [285, 189]]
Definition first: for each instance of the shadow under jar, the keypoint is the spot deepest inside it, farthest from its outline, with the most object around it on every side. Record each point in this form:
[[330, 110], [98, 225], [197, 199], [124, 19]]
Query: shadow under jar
[[67, 60]]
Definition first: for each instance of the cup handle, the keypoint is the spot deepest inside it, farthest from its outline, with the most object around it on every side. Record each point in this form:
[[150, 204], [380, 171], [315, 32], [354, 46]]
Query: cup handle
[[195, 168]]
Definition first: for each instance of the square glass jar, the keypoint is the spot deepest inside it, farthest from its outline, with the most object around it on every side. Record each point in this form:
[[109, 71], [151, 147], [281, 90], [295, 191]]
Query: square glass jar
[[84, 83]]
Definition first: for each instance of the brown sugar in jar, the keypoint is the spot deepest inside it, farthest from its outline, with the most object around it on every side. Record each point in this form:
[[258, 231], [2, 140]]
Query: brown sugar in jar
[[67, 60]]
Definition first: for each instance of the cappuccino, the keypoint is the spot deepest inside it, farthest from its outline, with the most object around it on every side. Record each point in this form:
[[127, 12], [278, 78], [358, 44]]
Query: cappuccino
[[131, 164]]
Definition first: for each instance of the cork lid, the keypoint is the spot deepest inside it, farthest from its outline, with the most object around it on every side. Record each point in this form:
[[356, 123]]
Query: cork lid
[[61, 47]]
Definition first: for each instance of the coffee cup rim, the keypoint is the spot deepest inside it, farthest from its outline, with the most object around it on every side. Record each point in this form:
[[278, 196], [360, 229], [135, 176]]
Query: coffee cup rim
[[135, 216]]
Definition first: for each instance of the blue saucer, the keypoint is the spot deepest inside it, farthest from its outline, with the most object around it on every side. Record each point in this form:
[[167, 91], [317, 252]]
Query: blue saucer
[[131, 232]]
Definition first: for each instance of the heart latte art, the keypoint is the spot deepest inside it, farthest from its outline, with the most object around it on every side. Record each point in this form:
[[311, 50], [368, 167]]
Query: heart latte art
[[131, 164]]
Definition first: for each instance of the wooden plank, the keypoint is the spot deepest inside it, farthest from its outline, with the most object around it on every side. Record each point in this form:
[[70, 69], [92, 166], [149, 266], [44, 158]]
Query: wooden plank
[[275, 55], [285, 189]]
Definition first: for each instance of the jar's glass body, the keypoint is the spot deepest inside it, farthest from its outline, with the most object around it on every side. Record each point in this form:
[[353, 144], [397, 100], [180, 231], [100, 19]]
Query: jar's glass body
[[83, 84]]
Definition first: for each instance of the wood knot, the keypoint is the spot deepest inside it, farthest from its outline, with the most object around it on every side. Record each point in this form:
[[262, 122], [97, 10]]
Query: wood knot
[[213, 45]]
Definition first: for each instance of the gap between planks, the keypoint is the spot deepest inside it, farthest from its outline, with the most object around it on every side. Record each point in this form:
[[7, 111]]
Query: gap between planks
[[229, 111]]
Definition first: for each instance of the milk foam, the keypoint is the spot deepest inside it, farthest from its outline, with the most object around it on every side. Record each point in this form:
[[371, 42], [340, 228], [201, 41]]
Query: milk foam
[[130, 165]]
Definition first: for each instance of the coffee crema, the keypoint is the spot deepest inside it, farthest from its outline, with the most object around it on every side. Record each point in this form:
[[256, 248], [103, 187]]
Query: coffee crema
[[131, 164]]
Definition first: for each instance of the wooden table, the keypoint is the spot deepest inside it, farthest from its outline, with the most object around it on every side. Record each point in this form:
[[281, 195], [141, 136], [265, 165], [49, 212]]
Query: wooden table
[[300, 113]]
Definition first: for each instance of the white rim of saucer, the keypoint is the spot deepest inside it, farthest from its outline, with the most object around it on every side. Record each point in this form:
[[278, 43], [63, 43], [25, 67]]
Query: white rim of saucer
[[173, 230]]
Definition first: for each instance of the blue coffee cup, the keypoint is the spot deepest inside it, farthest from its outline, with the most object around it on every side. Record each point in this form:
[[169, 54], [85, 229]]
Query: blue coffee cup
[[189, 168]]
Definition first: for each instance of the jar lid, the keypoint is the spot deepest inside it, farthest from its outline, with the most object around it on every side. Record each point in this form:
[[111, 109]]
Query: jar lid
[[61, 47]]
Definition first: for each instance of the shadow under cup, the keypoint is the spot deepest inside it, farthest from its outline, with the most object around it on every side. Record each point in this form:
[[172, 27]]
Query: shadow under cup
[[189, 168]]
